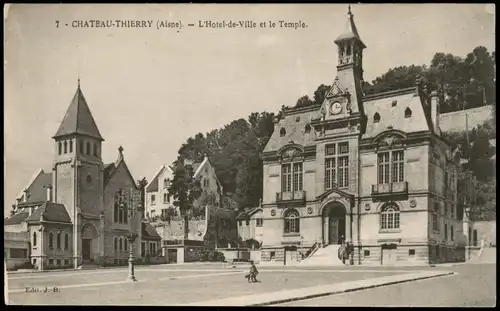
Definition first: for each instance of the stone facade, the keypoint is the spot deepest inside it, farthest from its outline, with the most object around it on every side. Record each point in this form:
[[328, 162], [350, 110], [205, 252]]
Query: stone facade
[[372, 172]]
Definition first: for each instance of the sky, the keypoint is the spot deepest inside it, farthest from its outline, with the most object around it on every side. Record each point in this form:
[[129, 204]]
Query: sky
[[150, 89]]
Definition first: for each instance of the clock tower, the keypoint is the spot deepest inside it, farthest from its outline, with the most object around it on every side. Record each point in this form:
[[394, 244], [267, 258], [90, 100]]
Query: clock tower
[[344, 99]]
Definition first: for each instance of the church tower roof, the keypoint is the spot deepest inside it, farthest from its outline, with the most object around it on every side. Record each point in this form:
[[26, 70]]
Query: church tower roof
[[350, 30], [78, 119]]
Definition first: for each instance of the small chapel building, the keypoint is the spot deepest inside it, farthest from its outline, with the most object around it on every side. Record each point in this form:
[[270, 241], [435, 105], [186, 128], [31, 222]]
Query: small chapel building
[[71, 215], [369, 171]]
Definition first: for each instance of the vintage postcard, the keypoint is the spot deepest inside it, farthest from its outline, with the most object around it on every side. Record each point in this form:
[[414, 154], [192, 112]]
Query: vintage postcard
[[250, 154]]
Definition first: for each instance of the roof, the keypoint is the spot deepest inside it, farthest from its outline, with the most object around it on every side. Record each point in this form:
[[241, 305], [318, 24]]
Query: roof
[[457, 120], [295, 130], [16, 219], [36, 189], [248, 212], [149, 232], [50, 211], [111, 168], [350, 30], [152, 186], [391, 110], [78, 119]]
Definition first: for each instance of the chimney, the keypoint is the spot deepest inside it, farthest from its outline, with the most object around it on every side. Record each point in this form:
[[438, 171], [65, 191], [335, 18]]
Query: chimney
[[25, 195], [30, 211], [435, 111], [49, 193]]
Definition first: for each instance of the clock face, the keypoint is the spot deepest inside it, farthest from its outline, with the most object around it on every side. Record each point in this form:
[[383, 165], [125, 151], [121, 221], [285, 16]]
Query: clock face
[[336, 108]]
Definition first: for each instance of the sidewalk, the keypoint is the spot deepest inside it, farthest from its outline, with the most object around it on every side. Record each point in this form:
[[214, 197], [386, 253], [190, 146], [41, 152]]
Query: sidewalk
[[318, 291]]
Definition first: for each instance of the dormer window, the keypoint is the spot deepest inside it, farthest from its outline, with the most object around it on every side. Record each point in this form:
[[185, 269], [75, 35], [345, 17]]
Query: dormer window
[[297, 119], [308, 128], [88, 148], [282, 132], [394, 103], [70, 146], [408, 113], [65, 147], [376, 118]]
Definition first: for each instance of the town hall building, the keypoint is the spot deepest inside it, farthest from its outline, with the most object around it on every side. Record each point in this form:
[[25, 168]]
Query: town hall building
[[361, 179], [72, 215]]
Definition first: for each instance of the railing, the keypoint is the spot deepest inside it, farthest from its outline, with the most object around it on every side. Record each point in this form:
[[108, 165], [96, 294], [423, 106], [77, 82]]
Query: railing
[[390, 188], [290, 196], [312, 250]]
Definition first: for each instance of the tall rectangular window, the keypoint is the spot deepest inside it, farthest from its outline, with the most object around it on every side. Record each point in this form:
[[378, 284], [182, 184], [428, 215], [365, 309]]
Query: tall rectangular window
[[435, 218], [398, 166], [452, 233], [383, 168], [390, 167], [337, 165], [446, 231], [286, 178], [297, 176]]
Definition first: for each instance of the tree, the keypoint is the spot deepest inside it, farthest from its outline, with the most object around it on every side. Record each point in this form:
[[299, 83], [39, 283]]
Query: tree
[[304, 101], [185, 189]]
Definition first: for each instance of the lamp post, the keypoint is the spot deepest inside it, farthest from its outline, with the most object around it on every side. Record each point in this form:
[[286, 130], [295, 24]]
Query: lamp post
[[130, 202]]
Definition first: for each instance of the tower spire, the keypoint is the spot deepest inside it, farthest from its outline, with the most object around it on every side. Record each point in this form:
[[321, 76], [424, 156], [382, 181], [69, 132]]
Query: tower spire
[[78, 79]]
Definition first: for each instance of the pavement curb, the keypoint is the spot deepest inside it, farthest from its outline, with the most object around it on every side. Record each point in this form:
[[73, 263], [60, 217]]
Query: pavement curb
[[316, 295], [319, 292]]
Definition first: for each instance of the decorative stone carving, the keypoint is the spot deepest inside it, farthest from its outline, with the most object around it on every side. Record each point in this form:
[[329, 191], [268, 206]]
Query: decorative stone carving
[[413, 203], [367, 206], [273, 212], [309, 210]]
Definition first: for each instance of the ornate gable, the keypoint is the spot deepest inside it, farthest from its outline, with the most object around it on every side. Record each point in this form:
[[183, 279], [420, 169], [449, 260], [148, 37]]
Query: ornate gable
[[291, 152], [336, 89], [391, 139]]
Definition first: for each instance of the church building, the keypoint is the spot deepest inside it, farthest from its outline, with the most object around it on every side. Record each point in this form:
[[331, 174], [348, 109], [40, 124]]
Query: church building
[[72, 216], [361, 179]]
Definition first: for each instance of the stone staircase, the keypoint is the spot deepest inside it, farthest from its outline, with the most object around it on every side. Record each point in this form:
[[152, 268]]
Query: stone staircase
[[326, 256]]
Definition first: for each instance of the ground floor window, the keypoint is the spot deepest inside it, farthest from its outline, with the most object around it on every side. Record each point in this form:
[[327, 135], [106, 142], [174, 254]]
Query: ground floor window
[[292, 222], [58, 262], [18, 253], [51, 262], [66, 262]]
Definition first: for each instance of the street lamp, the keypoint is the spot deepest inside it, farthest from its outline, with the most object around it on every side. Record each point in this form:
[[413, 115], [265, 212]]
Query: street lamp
[[131, 202]]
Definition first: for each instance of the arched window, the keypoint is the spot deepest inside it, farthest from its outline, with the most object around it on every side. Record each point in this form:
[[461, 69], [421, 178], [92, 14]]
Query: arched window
[[116, 212], [95, 150], [125, 244], [65, 147], [81, 147], [120, 244], [59, 148], [348, 52], [115, 243], [70, 146], [308, 128], [292, 221], [390, 217], [282, 132], [51, 240], [407, 113], [34, 238], [88, 148], [58, 240], [124, 214], [376, 117], [66, 241]]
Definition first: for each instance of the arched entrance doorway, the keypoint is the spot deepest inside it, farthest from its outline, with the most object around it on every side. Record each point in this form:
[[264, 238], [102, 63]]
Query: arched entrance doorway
[[89, 242], [334, 223]]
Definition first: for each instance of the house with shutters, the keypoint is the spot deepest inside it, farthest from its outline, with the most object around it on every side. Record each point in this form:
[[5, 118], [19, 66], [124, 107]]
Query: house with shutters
[[361, 179], [70, 216]]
